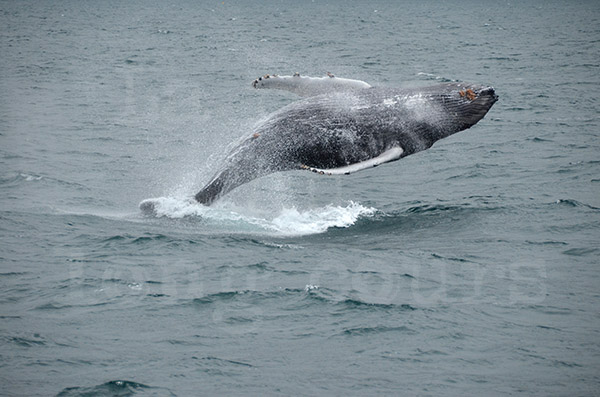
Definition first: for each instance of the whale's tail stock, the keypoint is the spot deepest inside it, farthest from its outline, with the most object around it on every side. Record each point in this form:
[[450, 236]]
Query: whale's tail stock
[[211, 192], [230, 177], [219, 185]]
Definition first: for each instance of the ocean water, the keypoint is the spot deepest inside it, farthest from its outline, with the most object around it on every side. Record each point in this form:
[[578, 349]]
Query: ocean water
[[470, 268]]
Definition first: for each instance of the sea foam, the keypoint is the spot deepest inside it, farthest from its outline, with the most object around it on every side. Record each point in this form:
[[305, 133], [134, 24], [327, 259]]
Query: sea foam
[[287, 221]]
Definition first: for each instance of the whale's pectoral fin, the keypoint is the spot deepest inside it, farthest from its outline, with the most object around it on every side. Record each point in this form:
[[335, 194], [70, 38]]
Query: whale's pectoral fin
[[309, 86], [392, 154]]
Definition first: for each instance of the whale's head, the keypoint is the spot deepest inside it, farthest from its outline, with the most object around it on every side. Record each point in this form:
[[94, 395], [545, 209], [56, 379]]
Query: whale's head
[[472, 102], [454, 107]]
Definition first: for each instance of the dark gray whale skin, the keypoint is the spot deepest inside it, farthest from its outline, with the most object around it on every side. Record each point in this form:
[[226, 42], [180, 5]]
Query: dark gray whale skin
[[338, 129]]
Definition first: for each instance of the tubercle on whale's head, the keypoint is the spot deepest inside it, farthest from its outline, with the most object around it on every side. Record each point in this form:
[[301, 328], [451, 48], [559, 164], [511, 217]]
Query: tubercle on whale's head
[[471, 93]]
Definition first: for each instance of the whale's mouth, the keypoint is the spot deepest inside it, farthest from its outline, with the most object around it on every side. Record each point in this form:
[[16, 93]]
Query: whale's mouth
[[487, 97], [489, 92]]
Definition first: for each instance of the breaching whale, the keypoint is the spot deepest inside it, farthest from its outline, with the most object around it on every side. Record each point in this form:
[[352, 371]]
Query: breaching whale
[[345, 125]]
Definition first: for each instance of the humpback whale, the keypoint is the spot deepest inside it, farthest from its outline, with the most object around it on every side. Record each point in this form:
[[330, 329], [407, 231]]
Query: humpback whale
[[344, 126]]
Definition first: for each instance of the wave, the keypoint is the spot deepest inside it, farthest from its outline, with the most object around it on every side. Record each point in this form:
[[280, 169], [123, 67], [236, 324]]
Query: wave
[[431, 76], [287, 221], [575, 203], [309, 295], [114, 388]]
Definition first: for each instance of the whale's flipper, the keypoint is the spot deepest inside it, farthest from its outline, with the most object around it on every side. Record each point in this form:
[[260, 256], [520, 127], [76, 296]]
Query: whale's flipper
[[392, 154], [309, 86]]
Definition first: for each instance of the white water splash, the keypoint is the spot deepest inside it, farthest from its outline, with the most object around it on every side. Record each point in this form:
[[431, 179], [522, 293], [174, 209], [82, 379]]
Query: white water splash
[[171, 207], [318, 220], [288, 221]]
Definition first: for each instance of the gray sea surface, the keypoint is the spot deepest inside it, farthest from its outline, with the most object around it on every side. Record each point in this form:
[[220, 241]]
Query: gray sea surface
[[471, 268]]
